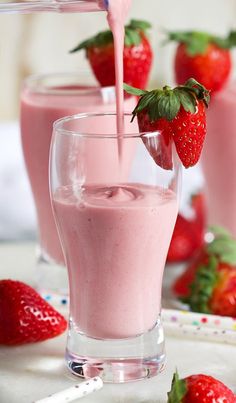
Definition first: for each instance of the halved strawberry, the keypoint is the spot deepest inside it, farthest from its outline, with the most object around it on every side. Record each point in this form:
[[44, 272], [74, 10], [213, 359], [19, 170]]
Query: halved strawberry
[[179, 114], [137, 55], [199, 388], [25, 317], [203, 56]]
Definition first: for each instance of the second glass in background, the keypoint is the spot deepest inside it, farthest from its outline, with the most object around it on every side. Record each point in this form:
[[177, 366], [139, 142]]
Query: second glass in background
[[44, 99]]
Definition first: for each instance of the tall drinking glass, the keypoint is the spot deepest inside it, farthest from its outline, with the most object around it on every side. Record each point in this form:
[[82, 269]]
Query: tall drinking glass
[[45, 99], [115, 232]]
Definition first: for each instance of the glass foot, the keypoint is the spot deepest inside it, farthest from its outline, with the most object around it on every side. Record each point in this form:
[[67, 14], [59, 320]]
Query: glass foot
[[116, 361]]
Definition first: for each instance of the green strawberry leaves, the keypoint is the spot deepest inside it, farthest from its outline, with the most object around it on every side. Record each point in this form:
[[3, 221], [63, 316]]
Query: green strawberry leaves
[[134, 91], [139, 24], [100, 40], [223, 246], [221, 250], [133, 32], [166, 103], [178, 389], [197, 42], [203, 286], [133, 36]]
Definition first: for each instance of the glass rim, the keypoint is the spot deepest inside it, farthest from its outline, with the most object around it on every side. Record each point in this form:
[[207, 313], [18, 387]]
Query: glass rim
[[35, 83], [59, 130]]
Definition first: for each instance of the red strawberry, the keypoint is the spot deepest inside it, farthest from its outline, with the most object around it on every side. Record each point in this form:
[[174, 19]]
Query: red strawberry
[[182, 285], [137, 55], [188, 235], [208, 285], [199, 389], [179, 114], [203, 56], [25, 317], [223, 299]]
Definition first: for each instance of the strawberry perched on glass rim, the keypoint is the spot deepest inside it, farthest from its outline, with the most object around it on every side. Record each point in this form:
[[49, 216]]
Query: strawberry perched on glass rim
[[203, 56], [137, 55], [199, 388], [180, 114]]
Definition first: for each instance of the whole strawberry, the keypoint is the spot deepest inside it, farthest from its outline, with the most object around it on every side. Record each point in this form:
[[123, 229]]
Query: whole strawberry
[[203, 56], [179, 114], [137, 55], [25, 317], [208, 285], [199, 389], [188, 235]]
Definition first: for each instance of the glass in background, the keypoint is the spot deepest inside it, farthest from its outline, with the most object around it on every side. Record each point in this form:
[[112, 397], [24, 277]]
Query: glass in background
[[45, 99]]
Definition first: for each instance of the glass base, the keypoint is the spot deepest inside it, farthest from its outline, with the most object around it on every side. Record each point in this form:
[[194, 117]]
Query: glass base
[[116, 361], [51, 278]]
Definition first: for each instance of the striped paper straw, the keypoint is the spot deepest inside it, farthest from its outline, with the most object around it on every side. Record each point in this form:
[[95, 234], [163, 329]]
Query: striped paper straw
[[75, 392]]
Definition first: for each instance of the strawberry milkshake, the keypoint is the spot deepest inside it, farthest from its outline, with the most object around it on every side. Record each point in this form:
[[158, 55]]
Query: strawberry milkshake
[[125, 231], [218, 159], [45, 99]]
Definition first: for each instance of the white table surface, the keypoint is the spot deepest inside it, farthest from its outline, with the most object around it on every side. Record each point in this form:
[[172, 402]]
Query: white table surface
[[32, 372]]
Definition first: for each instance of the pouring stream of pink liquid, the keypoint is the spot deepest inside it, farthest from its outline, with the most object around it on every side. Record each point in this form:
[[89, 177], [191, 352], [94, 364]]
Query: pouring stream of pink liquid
[[117, 13]]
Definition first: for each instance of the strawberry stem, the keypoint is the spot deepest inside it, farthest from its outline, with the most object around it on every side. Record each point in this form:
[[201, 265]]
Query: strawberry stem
[[133, 36], [197, 42], [178, 389], [166, 102]]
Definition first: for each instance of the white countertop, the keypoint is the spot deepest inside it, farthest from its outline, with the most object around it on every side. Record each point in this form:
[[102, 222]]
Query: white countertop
[[32, 372]]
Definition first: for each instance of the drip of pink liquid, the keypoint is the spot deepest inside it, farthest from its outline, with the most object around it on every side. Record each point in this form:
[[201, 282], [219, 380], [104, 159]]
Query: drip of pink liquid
[[117, 13]]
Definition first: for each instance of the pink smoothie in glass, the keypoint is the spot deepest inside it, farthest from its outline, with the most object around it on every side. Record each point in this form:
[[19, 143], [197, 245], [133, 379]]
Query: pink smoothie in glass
[[38, 112], [219, 159], [116, 240]]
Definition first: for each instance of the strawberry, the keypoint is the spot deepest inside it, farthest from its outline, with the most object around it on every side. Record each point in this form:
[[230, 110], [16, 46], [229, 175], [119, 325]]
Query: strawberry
[[208, 285], [181, 286], [137, 56], [199, 389], [203, 56], [179, 114], [188, 235], [25, 317]]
